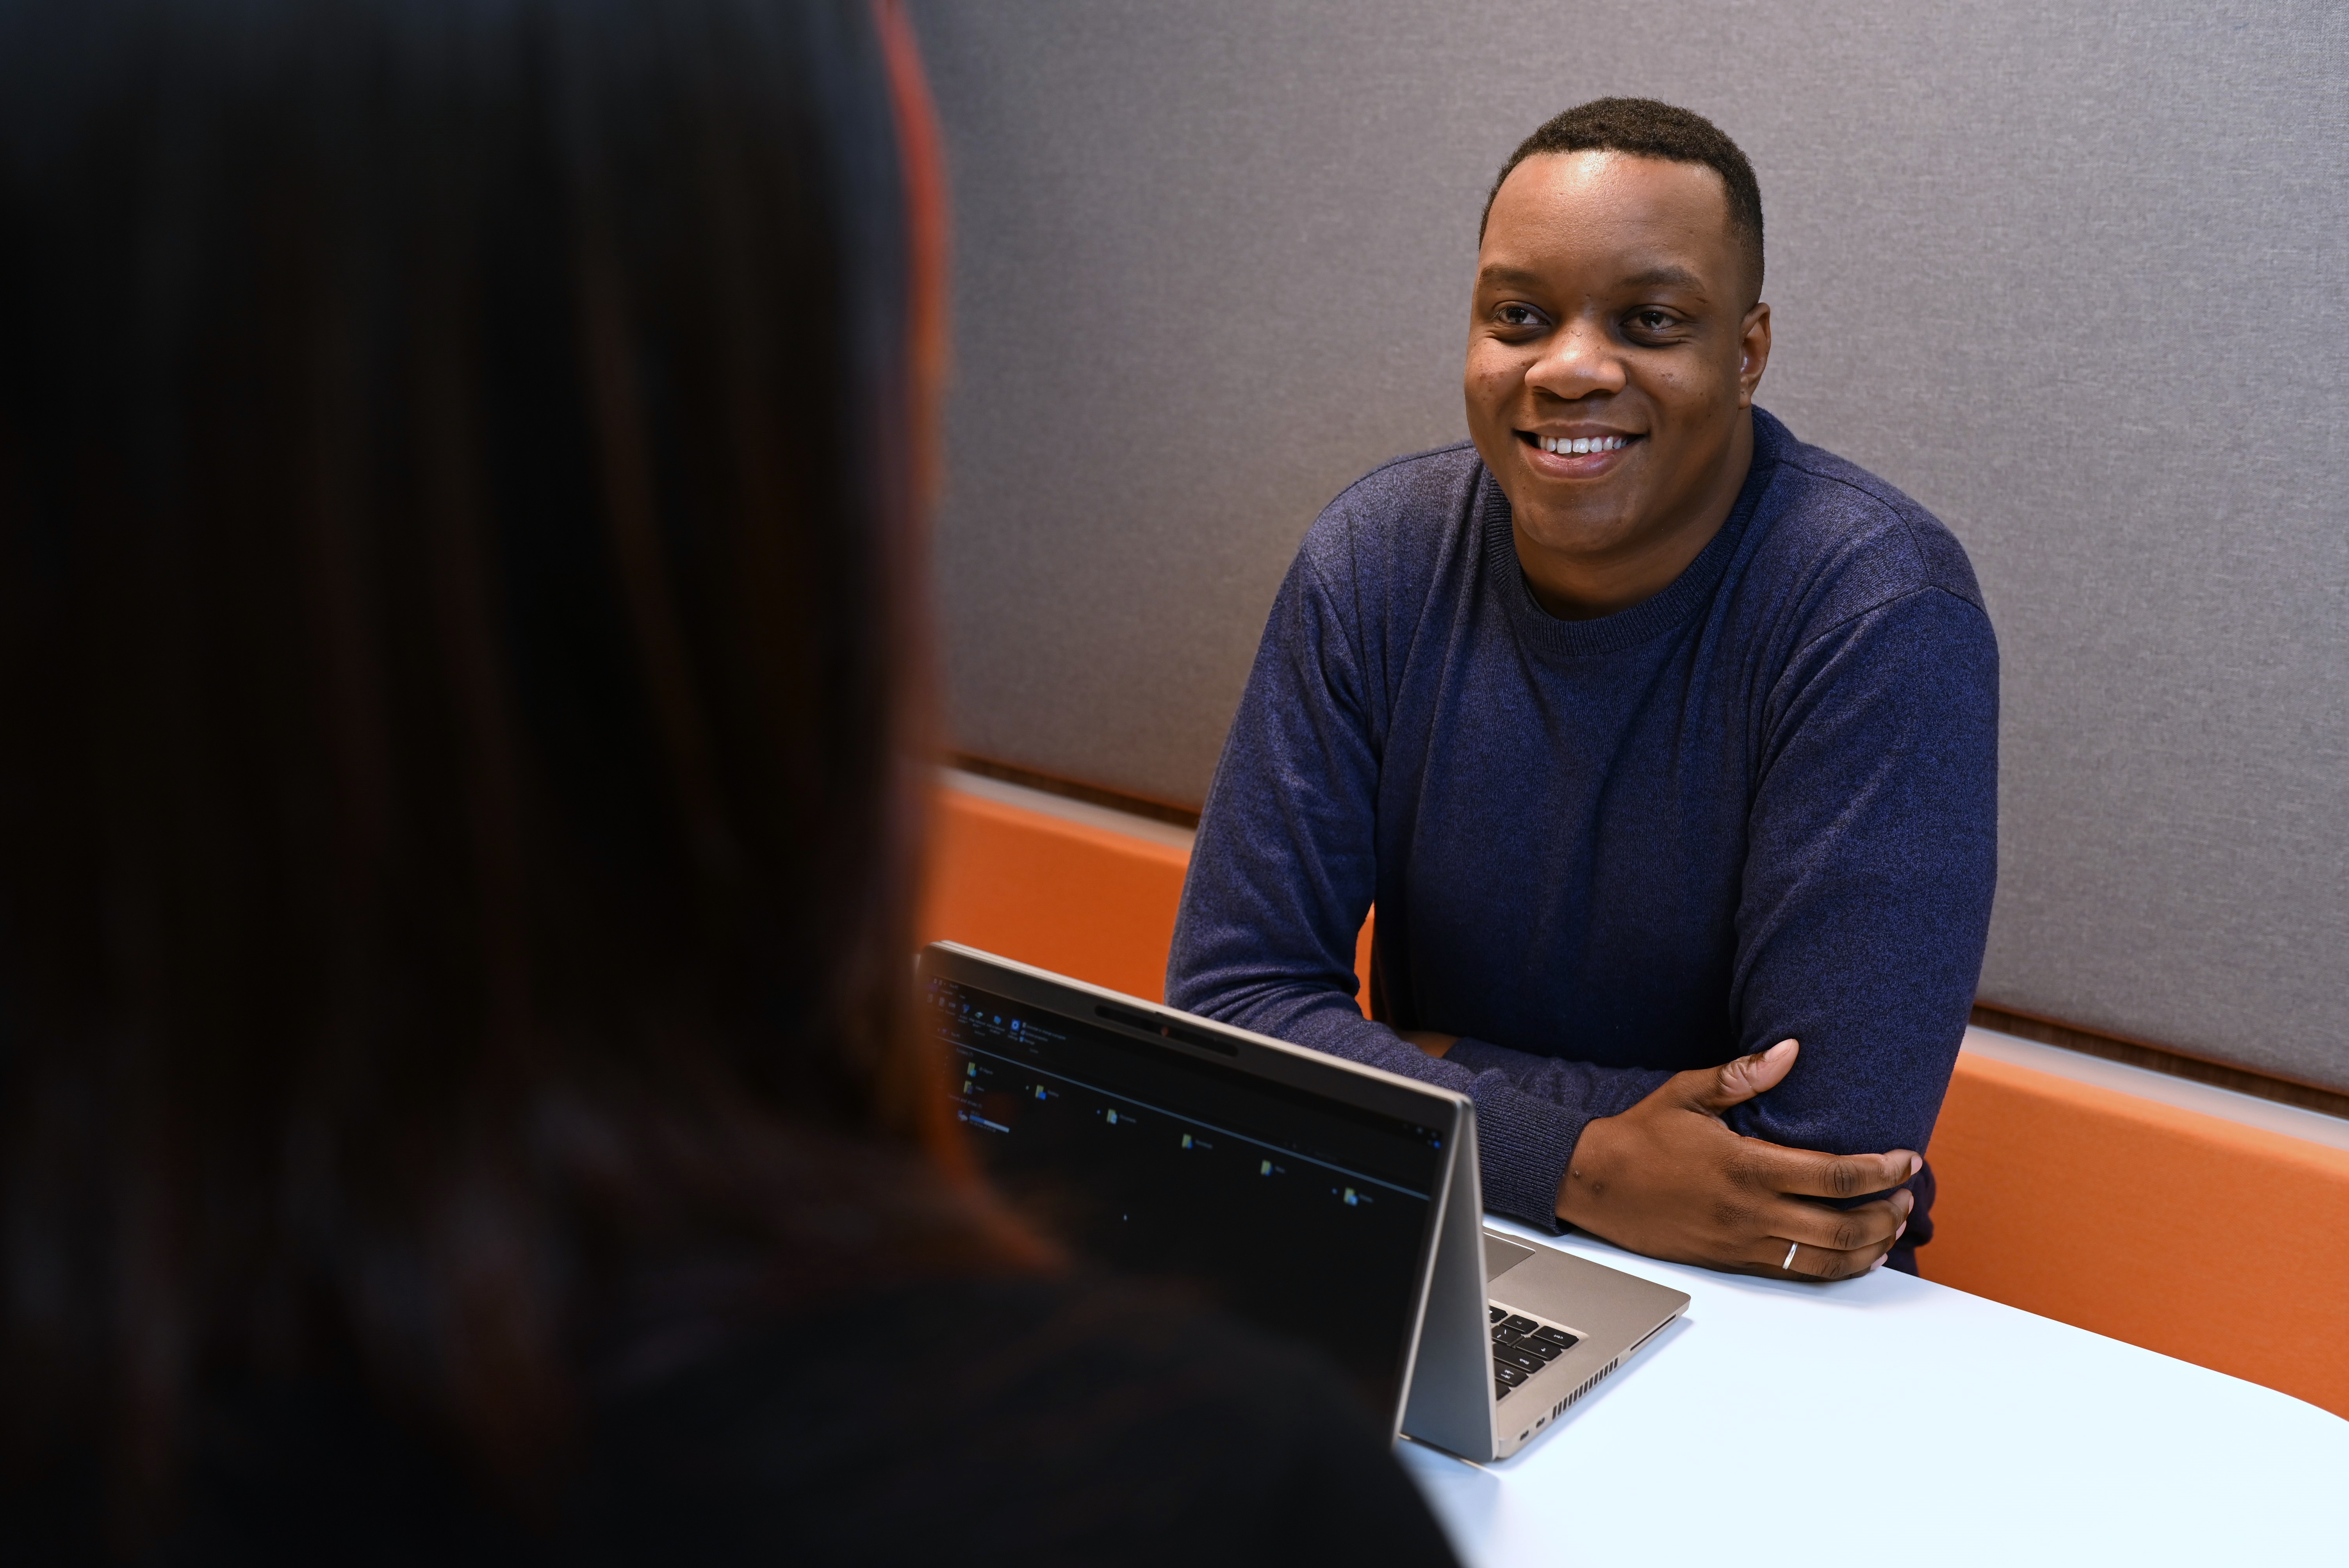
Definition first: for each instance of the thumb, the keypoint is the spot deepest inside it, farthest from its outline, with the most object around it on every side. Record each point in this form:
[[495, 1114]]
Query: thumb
[[1734, 1083]]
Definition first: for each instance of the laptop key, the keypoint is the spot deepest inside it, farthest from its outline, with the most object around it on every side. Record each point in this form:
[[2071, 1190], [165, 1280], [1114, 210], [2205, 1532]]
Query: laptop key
[[1511, 1376], [1520, 1323], [1510, 1356], [1499, 1312], [1557, 1337], [1532, 1346], [1500, 1389]]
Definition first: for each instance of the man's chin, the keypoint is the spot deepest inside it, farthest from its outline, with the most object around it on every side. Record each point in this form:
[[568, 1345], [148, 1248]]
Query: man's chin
[[1576, 534]]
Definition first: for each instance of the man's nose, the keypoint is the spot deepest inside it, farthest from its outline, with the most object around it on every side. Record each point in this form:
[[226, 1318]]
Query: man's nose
[[1578, 361]]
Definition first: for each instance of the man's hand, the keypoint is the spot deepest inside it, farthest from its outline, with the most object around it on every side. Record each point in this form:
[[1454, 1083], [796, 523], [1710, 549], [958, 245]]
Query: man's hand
[[1669, 1179]]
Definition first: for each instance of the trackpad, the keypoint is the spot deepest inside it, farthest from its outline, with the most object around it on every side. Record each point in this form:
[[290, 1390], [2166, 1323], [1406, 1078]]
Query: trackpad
[[1502, 1254]]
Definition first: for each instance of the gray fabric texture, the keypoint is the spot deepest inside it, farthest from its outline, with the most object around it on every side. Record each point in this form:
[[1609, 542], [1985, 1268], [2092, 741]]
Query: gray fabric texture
[[2072, 276]]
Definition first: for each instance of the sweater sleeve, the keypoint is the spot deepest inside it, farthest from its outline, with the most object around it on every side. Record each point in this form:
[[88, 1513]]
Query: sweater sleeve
[[1872, 857], [1282, 876]]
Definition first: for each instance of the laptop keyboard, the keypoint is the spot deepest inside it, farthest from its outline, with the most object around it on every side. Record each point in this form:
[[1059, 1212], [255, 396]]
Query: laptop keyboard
[[1522, 1346]]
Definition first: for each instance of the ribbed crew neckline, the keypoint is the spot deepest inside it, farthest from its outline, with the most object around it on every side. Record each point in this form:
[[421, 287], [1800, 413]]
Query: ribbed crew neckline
[[1651, 616]]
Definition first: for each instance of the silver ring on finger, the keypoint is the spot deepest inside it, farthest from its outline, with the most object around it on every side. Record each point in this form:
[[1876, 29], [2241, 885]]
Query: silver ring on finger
[[1789, 1264]]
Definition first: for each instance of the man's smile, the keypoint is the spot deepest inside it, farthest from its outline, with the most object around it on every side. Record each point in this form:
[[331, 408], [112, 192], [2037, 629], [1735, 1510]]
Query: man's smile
[[1579, 455]]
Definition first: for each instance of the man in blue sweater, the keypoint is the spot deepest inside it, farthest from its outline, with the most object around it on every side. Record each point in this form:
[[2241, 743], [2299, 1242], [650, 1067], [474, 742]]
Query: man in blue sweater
[[1665, 744]]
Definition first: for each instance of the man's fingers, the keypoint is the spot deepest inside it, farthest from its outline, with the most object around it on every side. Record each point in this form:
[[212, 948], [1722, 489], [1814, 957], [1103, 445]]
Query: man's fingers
[[1876, 1224], [1798, 1260], [1806, 1173], [1714, 1089]]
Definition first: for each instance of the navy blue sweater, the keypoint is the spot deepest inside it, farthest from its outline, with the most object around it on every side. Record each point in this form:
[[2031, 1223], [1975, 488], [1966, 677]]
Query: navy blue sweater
[[1760, 804]]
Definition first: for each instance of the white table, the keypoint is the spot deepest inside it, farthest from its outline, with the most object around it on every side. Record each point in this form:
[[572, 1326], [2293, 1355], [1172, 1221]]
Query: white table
[[1893, 1419]]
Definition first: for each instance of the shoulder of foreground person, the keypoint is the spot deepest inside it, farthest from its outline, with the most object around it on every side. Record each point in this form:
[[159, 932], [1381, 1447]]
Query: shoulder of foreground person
[[1017, 1420], [1010, 1421]]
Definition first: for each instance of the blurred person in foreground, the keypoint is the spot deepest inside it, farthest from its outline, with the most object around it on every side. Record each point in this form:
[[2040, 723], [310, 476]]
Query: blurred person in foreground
[[462, 672]]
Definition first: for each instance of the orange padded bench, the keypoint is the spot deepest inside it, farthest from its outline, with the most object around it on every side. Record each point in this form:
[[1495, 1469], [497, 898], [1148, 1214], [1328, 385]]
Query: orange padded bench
[[2218, 1243]]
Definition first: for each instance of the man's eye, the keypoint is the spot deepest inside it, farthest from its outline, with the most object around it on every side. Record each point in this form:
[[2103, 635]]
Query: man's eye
[[1518, 315], [1652, 321]]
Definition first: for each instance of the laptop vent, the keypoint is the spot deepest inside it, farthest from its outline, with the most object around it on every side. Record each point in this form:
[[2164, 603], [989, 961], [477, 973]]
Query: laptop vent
[[1588, 1384]]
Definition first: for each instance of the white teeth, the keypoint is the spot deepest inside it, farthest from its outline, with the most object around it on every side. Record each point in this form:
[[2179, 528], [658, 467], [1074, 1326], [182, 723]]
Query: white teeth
[[1576, 444]]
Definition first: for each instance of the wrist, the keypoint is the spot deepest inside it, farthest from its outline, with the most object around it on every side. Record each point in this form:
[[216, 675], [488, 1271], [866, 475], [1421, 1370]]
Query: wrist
[[1582, 1190]]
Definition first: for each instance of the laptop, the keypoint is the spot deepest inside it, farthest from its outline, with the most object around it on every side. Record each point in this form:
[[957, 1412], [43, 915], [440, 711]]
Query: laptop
[[1321, 1200]]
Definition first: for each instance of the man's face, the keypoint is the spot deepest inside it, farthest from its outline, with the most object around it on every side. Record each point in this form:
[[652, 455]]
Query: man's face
[[1612, 308]]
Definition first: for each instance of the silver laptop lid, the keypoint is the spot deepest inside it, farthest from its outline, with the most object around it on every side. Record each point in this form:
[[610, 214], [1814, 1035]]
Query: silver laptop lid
[[1300, 1191], [1599, 1315]]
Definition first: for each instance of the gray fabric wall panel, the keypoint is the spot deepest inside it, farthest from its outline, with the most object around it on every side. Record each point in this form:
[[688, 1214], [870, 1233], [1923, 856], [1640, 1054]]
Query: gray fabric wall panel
[[2073, 277]]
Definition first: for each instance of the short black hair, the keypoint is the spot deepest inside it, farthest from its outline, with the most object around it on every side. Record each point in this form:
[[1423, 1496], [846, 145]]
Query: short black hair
[[1646, 128]]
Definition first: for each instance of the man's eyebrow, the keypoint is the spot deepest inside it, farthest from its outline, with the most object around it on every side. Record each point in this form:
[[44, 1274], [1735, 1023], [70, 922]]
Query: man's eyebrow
[[1497, 274]]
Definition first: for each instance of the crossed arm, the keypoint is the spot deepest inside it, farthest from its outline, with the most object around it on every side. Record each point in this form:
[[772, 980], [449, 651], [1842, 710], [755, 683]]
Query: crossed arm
[[1669, 1179], [1863, 909]]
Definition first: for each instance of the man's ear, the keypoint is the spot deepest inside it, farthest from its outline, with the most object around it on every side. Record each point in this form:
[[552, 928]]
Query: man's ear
[[1752, 353]]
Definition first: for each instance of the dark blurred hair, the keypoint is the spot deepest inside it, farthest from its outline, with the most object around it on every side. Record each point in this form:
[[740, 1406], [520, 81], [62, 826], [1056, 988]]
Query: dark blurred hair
[[1647, 129], [461, 746]]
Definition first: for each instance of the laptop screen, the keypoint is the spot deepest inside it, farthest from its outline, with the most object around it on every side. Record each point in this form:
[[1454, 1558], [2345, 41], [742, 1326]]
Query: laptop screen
[[1294, 1211]]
